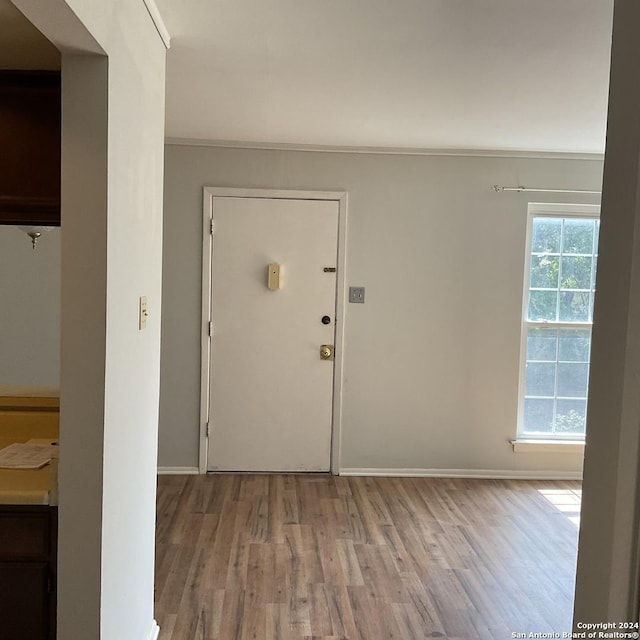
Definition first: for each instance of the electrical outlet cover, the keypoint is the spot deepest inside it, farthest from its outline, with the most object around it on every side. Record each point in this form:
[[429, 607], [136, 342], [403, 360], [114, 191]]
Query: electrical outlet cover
[[356, 295]]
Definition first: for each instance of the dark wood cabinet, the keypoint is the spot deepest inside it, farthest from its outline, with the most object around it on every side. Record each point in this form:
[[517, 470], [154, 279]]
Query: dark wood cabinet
[[30, 140], [28, 544]]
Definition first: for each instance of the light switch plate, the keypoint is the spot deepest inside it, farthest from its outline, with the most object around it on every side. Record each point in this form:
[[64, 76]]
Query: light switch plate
[[144, 313], [356, 294]]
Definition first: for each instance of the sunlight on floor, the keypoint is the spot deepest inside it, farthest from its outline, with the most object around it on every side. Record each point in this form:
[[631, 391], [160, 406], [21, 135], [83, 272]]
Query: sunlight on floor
[[565, 500]]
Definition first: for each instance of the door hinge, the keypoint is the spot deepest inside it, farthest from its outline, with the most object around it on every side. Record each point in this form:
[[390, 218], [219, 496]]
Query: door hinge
[[207, 429], [211, 226], [210, 329]]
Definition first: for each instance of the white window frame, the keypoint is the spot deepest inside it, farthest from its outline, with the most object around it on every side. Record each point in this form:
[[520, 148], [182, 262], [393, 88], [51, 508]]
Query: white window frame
[[538, 210]]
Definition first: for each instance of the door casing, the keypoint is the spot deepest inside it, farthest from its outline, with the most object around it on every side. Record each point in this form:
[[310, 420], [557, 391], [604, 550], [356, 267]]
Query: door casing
[[209, 193]]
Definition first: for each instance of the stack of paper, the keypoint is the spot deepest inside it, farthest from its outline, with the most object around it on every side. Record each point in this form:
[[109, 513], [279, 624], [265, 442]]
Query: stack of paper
[[25, 456]]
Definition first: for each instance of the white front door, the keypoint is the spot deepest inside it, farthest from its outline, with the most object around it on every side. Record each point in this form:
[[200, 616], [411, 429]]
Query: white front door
[[270, 393]]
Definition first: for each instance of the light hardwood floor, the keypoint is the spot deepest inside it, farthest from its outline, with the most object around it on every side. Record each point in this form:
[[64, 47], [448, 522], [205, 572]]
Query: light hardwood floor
[[292, 557]]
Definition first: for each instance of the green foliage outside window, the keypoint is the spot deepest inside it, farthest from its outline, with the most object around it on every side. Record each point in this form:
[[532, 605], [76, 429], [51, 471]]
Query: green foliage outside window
[[561, 293]]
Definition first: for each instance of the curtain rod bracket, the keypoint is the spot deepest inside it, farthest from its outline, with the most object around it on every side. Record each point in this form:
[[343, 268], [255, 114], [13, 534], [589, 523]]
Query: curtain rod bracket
[[498, 188]]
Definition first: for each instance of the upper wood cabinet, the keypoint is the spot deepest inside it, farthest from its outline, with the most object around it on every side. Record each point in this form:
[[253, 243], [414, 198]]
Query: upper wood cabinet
[[30, 147]]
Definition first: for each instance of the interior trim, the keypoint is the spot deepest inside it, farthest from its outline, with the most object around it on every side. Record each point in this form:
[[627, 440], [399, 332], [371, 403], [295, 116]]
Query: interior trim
[[178, 471], [154, 631], [494, 474], [209, 194], [406, 151], [156, 16], [548, 446]]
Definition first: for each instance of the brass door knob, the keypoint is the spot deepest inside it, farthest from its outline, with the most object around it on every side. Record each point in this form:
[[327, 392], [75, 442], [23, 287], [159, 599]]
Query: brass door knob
[[326, 352]]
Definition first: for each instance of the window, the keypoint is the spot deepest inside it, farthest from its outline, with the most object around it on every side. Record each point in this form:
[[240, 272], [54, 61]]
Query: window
[[560, 275]]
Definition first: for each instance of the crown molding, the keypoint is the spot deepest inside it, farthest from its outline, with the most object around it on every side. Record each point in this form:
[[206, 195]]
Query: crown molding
[[402, 151], [154, 12]]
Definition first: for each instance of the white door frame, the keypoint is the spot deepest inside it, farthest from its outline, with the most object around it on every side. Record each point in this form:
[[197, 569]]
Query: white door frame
[[207, 247]]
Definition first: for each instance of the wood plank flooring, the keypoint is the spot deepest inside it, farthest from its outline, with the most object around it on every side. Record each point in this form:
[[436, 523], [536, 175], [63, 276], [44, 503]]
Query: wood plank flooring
[[315, 557]]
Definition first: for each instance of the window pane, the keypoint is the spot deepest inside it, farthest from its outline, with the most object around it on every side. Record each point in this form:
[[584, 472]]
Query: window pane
[[546, 235], [542, 344], [540, 379], [578, 236], [576, 272], [538, 415], [570, 417], [543, 305], [574, 306], [544, 272], [562, 267], [574, 345], [572, 380]]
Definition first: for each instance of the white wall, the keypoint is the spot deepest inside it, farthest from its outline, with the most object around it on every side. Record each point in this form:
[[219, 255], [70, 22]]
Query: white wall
[[30, 309], [113, 70], [608, 573], [432, 357]]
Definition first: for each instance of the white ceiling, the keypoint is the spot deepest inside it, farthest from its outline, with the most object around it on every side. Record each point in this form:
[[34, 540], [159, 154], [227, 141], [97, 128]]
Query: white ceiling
[[468, 74], [23, 46]]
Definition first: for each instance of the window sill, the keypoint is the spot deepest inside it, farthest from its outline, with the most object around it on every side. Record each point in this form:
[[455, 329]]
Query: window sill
[[547, 446]]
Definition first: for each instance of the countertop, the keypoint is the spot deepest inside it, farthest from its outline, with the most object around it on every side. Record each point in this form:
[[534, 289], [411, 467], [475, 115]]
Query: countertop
[[18, 486]]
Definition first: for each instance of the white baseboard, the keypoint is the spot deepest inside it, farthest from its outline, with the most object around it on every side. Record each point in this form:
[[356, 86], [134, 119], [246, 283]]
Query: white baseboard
[[153, 631], [505, 474], [508, 474], [178, 471]]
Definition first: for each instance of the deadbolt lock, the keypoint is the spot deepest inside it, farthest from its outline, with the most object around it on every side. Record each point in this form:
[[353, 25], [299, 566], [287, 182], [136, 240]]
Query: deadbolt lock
[[326, 352]]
